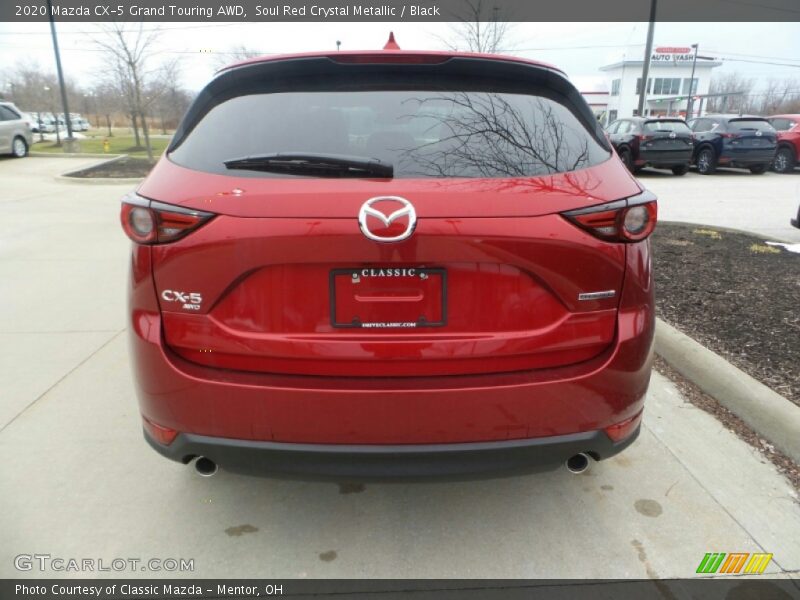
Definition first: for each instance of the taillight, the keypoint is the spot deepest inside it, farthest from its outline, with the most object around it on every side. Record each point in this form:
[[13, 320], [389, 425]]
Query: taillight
[[149, 222], [628, 220], [644, 138], [729, 135]]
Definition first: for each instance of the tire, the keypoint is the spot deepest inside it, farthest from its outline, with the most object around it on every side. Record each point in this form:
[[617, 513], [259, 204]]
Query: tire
[[706, 161], [19, 148], [759, 169], [627, 159], [784, 161], [680, 170]]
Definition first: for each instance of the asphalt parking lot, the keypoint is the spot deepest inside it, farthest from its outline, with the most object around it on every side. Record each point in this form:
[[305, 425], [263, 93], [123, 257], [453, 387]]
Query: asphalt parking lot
[[79, 482]]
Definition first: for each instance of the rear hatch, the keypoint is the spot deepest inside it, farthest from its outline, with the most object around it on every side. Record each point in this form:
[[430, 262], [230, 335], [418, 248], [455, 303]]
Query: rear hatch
[[294, 274], [666, 139], [751, 136]]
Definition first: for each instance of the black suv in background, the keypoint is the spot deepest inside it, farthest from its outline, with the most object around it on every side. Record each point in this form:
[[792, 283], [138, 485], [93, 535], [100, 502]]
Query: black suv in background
[[741, 141], [660, 143]]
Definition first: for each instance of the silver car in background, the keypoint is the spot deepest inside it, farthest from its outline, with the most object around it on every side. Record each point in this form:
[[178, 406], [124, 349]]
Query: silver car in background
[[15, 132]]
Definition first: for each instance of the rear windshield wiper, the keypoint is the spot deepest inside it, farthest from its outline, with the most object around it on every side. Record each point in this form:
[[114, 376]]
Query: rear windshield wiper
[[309, 163]]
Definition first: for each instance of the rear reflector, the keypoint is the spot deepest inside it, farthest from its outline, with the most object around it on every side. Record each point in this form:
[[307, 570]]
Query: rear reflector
[[163, 435], [629, 220], [149, 222], [622, 430]]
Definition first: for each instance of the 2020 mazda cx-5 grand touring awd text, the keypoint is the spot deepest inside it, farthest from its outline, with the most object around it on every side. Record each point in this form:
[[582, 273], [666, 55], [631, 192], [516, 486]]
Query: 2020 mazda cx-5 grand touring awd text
[[390, 264]]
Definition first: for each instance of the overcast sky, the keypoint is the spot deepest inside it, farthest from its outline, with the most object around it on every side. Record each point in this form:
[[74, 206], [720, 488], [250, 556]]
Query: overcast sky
[[578, 48]]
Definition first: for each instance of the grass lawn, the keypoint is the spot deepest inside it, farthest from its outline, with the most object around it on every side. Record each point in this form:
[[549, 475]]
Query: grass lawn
[[118, 144]]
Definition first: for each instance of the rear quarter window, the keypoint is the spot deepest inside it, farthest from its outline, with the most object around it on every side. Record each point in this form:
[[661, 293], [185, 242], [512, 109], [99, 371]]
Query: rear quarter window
[[421, 130]]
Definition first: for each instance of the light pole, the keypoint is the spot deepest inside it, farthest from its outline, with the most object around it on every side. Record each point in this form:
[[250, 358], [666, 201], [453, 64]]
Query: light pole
[[690, 102], [50, 103], [338, 43], [70, 139], [647, 51]]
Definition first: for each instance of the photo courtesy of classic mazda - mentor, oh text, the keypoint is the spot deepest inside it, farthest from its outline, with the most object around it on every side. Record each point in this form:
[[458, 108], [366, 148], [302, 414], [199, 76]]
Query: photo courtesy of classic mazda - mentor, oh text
[[390, 264]]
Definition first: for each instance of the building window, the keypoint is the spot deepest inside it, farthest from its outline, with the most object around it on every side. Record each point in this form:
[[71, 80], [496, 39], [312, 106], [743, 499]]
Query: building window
[[686, 86], [667, 85], [615, 87], [639, 85], [612, 115]]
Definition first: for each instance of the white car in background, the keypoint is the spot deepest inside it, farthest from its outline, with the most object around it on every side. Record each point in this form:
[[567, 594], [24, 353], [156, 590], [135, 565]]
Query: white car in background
[[15, 132]]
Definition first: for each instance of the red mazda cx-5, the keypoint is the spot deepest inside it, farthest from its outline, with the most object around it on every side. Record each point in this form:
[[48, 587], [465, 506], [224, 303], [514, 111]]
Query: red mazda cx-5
[[391, 263]]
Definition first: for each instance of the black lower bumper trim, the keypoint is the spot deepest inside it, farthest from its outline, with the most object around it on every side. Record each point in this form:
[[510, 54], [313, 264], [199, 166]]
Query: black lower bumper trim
[[355, 462]]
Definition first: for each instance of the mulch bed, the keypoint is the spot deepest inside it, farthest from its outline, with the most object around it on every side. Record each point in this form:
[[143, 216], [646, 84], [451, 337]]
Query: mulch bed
[[735, 295], [124, 167]]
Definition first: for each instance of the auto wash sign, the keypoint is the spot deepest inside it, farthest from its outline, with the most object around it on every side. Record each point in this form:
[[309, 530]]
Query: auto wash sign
[[670, 54]]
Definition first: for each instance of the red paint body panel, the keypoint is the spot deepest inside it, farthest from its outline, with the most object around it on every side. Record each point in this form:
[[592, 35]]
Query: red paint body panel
[[791, 137], [407, 410]]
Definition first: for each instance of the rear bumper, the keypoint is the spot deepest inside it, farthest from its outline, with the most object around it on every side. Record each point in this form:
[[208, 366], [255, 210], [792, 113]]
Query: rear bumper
[[414, 461], [746, 157], [666, 159]]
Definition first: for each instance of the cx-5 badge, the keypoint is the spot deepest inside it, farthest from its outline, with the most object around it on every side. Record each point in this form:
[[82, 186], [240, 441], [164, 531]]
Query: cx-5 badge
[[378, 208]]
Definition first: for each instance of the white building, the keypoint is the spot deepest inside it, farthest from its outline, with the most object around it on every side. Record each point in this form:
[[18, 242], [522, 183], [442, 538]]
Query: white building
[[668, 83]]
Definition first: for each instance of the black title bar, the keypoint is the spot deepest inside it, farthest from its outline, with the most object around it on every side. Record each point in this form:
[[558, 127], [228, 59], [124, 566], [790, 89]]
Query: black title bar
[[389, 10]]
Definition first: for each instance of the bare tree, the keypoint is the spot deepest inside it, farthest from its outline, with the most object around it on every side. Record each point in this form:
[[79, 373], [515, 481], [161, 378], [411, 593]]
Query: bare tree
[[234, 54], [737, 89], [780, 96], [131, 49], [107, 102], [167, 97], [480, 28]]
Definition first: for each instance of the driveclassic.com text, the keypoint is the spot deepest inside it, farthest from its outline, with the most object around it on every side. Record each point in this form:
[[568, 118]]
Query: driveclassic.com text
[[166, 590]]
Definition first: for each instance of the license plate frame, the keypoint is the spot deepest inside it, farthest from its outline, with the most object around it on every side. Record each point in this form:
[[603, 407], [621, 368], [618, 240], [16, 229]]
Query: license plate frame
[[355, 323]]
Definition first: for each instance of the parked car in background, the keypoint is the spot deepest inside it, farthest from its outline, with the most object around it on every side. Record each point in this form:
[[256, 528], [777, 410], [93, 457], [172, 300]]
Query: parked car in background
[[30, 119], [788, 154], [660, 143], [741, 141], [456, 282], [15, 132]]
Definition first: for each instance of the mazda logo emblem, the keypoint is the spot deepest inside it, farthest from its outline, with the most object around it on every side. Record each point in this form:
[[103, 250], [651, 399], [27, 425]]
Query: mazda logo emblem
[[378, 215]]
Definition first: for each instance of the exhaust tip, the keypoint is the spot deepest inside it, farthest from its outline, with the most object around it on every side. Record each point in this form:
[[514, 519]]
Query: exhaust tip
[[578, 463], [205, 467]]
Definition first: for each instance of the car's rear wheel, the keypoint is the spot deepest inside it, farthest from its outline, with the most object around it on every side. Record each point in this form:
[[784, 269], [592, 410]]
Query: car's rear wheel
[[19, 147], [759, 169], [680, 170], [627, 159], [784, 161], [706, 161]]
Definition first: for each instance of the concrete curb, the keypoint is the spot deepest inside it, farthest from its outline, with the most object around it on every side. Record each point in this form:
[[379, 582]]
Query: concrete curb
[[71, 155], [771, 415], [69, 177]]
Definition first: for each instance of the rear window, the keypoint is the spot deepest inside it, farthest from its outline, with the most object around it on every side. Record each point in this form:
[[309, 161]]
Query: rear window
[[749, 124], [421, 132], [673, 126]]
